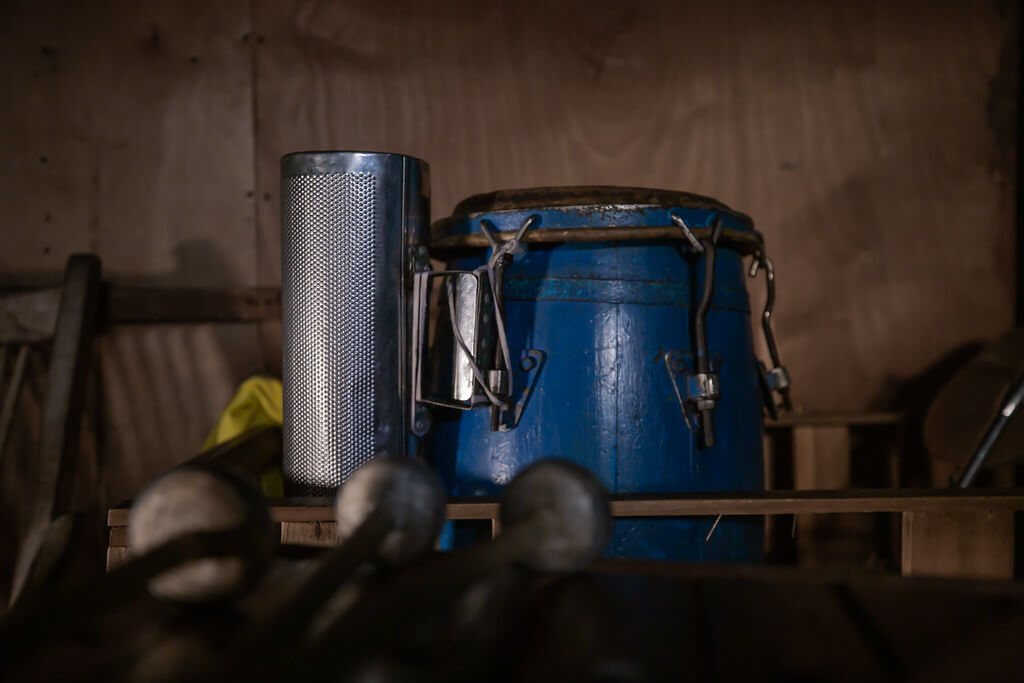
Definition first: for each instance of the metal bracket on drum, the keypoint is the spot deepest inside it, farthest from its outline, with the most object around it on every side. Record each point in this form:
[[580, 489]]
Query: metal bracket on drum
[[698, 389], [480, 370], [776, 379]]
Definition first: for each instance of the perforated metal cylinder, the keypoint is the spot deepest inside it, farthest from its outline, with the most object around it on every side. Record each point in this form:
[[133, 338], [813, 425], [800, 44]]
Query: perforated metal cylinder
[[349, 221]]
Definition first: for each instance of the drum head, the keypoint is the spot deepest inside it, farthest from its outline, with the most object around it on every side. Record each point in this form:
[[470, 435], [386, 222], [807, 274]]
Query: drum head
[[587, 213], [583, 195]]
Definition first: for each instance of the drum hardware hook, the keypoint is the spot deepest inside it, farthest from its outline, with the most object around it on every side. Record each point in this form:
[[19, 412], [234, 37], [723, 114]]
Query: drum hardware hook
[[675, 387], [776, 379], [502, 254], [531, 364], [690, 237], [510, 246], [713, 527], [704, 383]]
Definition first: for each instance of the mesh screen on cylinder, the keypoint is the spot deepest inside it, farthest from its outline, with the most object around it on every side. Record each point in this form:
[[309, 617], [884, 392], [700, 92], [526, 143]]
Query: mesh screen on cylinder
[[328, 295]]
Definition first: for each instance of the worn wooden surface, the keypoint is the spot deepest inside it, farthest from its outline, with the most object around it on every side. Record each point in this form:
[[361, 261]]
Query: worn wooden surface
[[945, 549], [974, 544]]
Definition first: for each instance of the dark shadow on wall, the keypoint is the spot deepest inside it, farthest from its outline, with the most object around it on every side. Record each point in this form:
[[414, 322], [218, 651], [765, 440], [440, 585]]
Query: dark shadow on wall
[[165, 385]]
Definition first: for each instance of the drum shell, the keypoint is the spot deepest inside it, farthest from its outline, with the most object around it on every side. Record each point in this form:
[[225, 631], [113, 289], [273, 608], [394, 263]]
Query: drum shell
[[604, 315]]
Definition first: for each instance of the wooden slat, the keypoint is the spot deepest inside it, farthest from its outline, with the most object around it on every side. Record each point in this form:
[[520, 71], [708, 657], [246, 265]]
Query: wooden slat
[[736, 503], [310, 533], [818, 502]]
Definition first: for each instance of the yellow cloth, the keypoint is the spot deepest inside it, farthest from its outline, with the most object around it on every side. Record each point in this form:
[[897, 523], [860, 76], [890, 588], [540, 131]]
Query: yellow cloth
[[257, 403]]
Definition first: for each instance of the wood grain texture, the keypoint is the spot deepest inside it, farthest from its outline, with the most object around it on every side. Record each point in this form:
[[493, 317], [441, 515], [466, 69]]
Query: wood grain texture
[[309, 533], [130, 136], [861, 137], [128, 132], [163, 389], [976, 544]]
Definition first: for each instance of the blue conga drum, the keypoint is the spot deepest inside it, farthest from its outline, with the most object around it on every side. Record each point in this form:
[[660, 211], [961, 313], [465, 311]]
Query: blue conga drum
[[624, 357]]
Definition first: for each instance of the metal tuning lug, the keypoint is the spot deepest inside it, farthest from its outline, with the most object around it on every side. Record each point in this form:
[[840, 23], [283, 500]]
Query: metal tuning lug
[[774, 380], [702, 386], [702, 390], [698, 391]]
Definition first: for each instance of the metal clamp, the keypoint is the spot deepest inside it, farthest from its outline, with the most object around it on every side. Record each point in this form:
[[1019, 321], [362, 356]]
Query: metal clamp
[[702, 390], [774, 380], [696, 390]]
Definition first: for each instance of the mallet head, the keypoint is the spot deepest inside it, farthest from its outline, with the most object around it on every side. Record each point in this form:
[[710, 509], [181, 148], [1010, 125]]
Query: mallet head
[[195, 499], [405, 490], [567, 511]]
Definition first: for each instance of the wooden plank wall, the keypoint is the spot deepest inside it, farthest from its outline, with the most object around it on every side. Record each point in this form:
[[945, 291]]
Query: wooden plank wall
[[872, 142]]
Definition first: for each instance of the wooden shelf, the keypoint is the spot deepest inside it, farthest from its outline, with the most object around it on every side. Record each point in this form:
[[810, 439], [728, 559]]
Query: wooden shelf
[[713, 504]]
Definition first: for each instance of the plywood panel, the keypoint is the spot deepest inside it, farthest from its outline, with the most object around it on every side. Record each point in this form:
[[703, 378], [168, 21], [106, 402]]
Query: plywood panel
[[862, 138], [163, 389], [127, 131]]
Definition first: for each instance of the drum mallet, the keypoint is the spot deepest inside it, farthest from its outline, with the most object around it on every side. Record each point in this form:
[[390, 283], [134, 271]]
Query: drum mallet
[[390, 512], [199, 535], [202, 499], [555, 518]]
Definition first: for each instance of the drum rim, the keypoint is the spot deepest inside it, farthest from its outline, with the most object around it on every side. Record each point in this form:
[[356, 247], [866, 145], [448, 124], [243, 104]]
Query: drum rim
[[564, 196], [590, 205]]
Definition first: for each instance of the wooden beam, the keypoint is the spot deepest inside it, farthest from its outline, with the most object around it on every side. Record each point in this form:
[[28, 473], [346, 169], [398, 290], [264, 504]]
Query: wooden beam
[[139, 305]]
